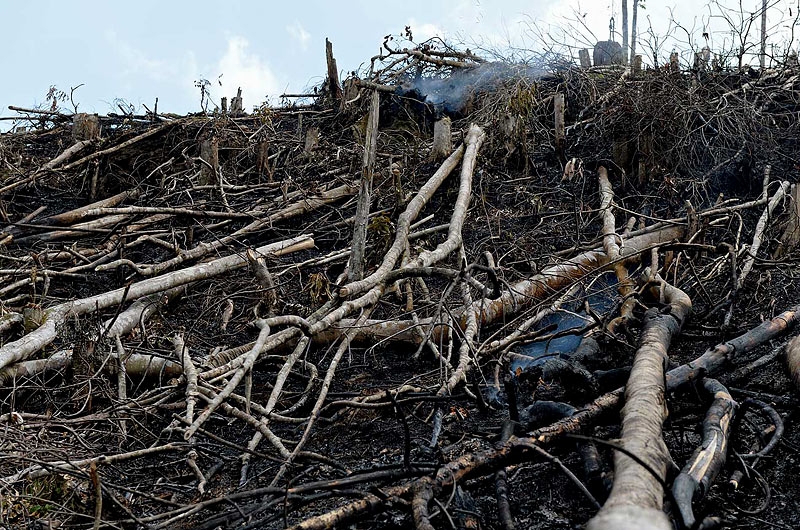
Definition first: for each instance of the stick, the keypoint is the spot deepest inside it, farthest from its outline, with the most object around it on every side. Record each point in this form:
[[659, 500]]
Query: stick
[[356, 270], [21, 349]]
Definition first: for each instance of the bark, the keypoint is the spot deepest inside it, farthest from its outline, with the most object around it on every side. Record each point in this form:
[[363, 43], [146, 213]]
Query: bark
[[625, 50], [708, 459], [636, 499], [356, 271], [442, 139], [793, 360]]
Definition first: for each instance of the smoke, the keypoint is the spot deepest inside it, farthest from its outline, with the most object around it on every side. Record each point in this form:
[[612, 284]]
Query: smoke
[[449, 95]]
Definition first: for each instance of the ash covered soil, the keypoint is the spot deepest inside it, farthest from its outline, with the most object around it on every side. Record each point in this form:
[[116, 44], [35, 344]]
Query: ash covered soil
[[383, 417]]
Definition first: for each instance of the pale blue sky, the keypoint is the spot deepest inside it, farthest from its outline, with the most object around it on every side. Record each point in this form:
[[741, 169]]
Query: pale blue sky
[[141, 50]]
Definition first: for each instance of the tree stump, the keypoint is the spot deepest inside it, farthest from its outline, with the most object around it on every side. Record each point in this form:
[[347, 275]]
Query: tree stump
[[333, 72], [312, 140], [262, 160], [790, 239], [560, 131], [636, 64], [85, 127], [621, 153], [442, 139], [674, 63], [209, 152], [585, 59], [237, 107]]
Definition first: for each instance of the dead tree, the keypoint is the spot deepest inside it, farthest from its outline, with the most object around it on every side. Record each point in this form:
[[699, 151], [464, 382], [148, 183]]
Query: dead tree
[[356, 270]]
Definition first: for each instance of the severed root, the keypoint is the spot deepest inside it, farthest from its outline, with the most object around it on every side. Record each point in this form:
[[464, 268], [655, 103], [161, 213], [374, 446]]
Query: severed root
[[708, 459]]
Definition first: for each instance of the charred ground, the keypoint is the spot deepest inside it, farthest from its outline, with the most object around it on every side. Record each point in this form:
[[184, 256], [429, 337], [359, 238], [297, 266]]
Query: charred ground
[[685, 151]]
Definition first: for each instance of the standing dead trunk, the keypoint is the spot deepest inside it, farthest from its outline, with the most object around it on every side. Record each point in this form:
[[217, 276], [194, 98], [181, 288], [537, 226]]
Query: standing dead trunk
[[356, 270], [262, 160], [633, 35], [333, 72], [625, 32], [762, 56], [237, 106]]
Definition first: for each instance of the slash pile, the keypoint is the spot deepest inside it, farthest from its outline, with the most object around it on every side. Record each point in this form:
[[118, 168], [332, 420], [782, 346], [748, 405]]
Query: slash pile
[[321, 315]]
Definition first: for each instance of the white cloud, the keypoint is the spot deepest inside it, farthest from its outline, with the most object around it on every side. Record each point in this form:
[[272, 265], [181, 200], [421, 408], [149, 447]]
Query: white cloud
[[299, 34], [135, 63], [242, 68], [423, 32]]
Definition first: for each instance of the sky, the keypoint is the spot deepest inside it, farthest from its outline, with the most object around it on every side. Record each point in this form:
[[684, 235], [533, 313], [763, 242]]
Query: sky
[[137, 51]]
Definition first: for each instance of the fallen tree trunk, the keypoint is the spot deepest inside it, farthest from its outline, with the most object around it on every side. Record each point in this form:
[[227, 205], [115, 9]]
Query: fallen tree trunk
[[636, 499], [54, 317], [519, 449], [137, 365]]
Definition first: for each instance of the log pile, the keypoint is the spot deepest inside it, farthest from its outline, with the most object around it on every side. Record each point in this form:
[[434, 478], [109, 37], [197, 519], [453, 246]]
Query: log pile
[[347, 312]]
